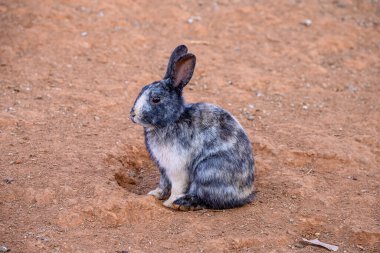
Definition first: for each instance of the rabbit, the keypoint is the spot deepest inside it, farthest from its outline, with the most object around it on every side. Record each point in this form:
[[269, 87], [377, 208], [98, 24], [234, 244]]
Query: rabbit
[[203, 154]]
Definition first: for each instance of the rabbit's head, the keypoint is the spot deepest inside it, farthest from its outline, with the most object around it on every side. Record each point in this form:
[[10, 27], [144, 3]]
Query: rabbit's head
[[161, 103]]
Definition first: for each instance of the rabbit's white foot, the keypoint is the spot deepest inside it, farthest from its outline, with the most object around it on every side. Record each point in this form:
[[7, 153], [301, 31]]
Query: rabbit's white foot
[[157, 193], [169, 201]]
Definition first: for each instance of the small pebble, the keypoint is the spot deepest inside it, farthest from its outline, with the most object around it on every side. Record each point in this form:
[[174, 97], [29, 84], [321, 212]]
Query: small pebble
[[360, 247], [11, 109], [43, 238], [352, 88], [250, 117], [307, 22], [299, 245], [193, 18], [259, 94], [3, 249], [8, 180], [352, 177], [16, 162], [84, 34]]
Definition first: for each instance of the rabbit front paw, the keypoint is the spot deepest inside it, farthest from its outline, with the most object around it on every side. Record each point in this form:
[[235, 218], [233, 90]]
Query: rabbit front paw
[[169, 201], [158, 193]]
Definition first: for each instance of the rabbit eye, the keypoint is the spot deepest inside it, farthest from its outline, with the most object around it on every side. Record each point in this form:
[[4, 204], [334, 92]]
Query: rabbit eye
[[156, 100]]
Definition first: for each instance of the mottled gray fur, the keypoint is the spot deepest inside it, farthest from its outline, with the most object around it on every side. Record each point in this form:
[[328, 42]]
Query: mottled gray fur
[[204, 156]]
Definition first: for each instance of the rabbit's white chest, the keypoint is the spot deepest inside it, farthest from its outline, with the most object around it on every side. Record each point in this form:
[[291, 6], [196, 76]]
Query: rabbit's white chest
[[171, 157], [174, 160]]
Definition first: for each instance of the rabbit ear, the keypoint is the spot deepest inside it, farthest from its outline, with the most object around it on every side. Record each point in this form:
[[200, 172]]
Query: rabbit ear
[[177, 53], [183, 70]]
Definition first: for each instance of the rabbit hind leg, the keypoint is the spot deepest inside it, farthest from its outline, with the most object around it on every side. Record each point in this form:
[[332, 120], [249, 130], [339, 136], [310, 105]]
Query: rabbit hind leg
[[187, 203]]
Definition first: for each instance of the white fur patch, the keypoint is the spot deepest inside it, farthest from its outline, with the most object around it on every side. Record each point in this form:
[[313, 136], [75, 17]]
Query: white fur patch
[[175, 161], [141, 101], [156, 193]]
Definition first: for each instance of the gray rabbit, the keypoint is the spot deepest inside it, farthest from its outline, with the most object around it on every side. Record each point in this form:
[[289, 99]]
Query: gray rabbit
[[203, 154]]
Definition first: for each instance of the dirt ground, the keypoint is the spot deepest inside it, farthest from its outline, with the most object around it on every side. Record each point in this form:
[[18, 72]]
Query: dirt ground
[[302, 77]]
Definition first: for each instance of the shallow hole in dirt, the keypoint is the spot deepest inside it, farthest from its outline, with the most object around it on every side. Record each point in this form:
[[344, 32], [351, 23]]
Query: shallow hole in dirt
[[135, 171], [137, 180]]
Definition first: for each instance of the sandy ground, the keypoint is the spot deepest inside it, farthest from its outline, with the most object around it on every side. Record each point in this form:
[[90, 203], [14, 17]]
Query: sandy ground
[[74, 170]]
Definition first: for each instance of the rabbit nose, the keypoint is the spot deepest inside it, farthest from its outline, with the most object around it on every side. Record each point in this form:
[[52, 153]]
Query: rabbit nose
[[132, 115]]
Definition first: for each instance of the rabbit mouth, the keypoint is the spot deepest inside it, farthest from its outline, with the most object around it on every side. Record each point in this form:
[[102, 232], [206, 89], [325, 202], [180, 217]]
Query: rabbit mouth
[[135, 119]]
